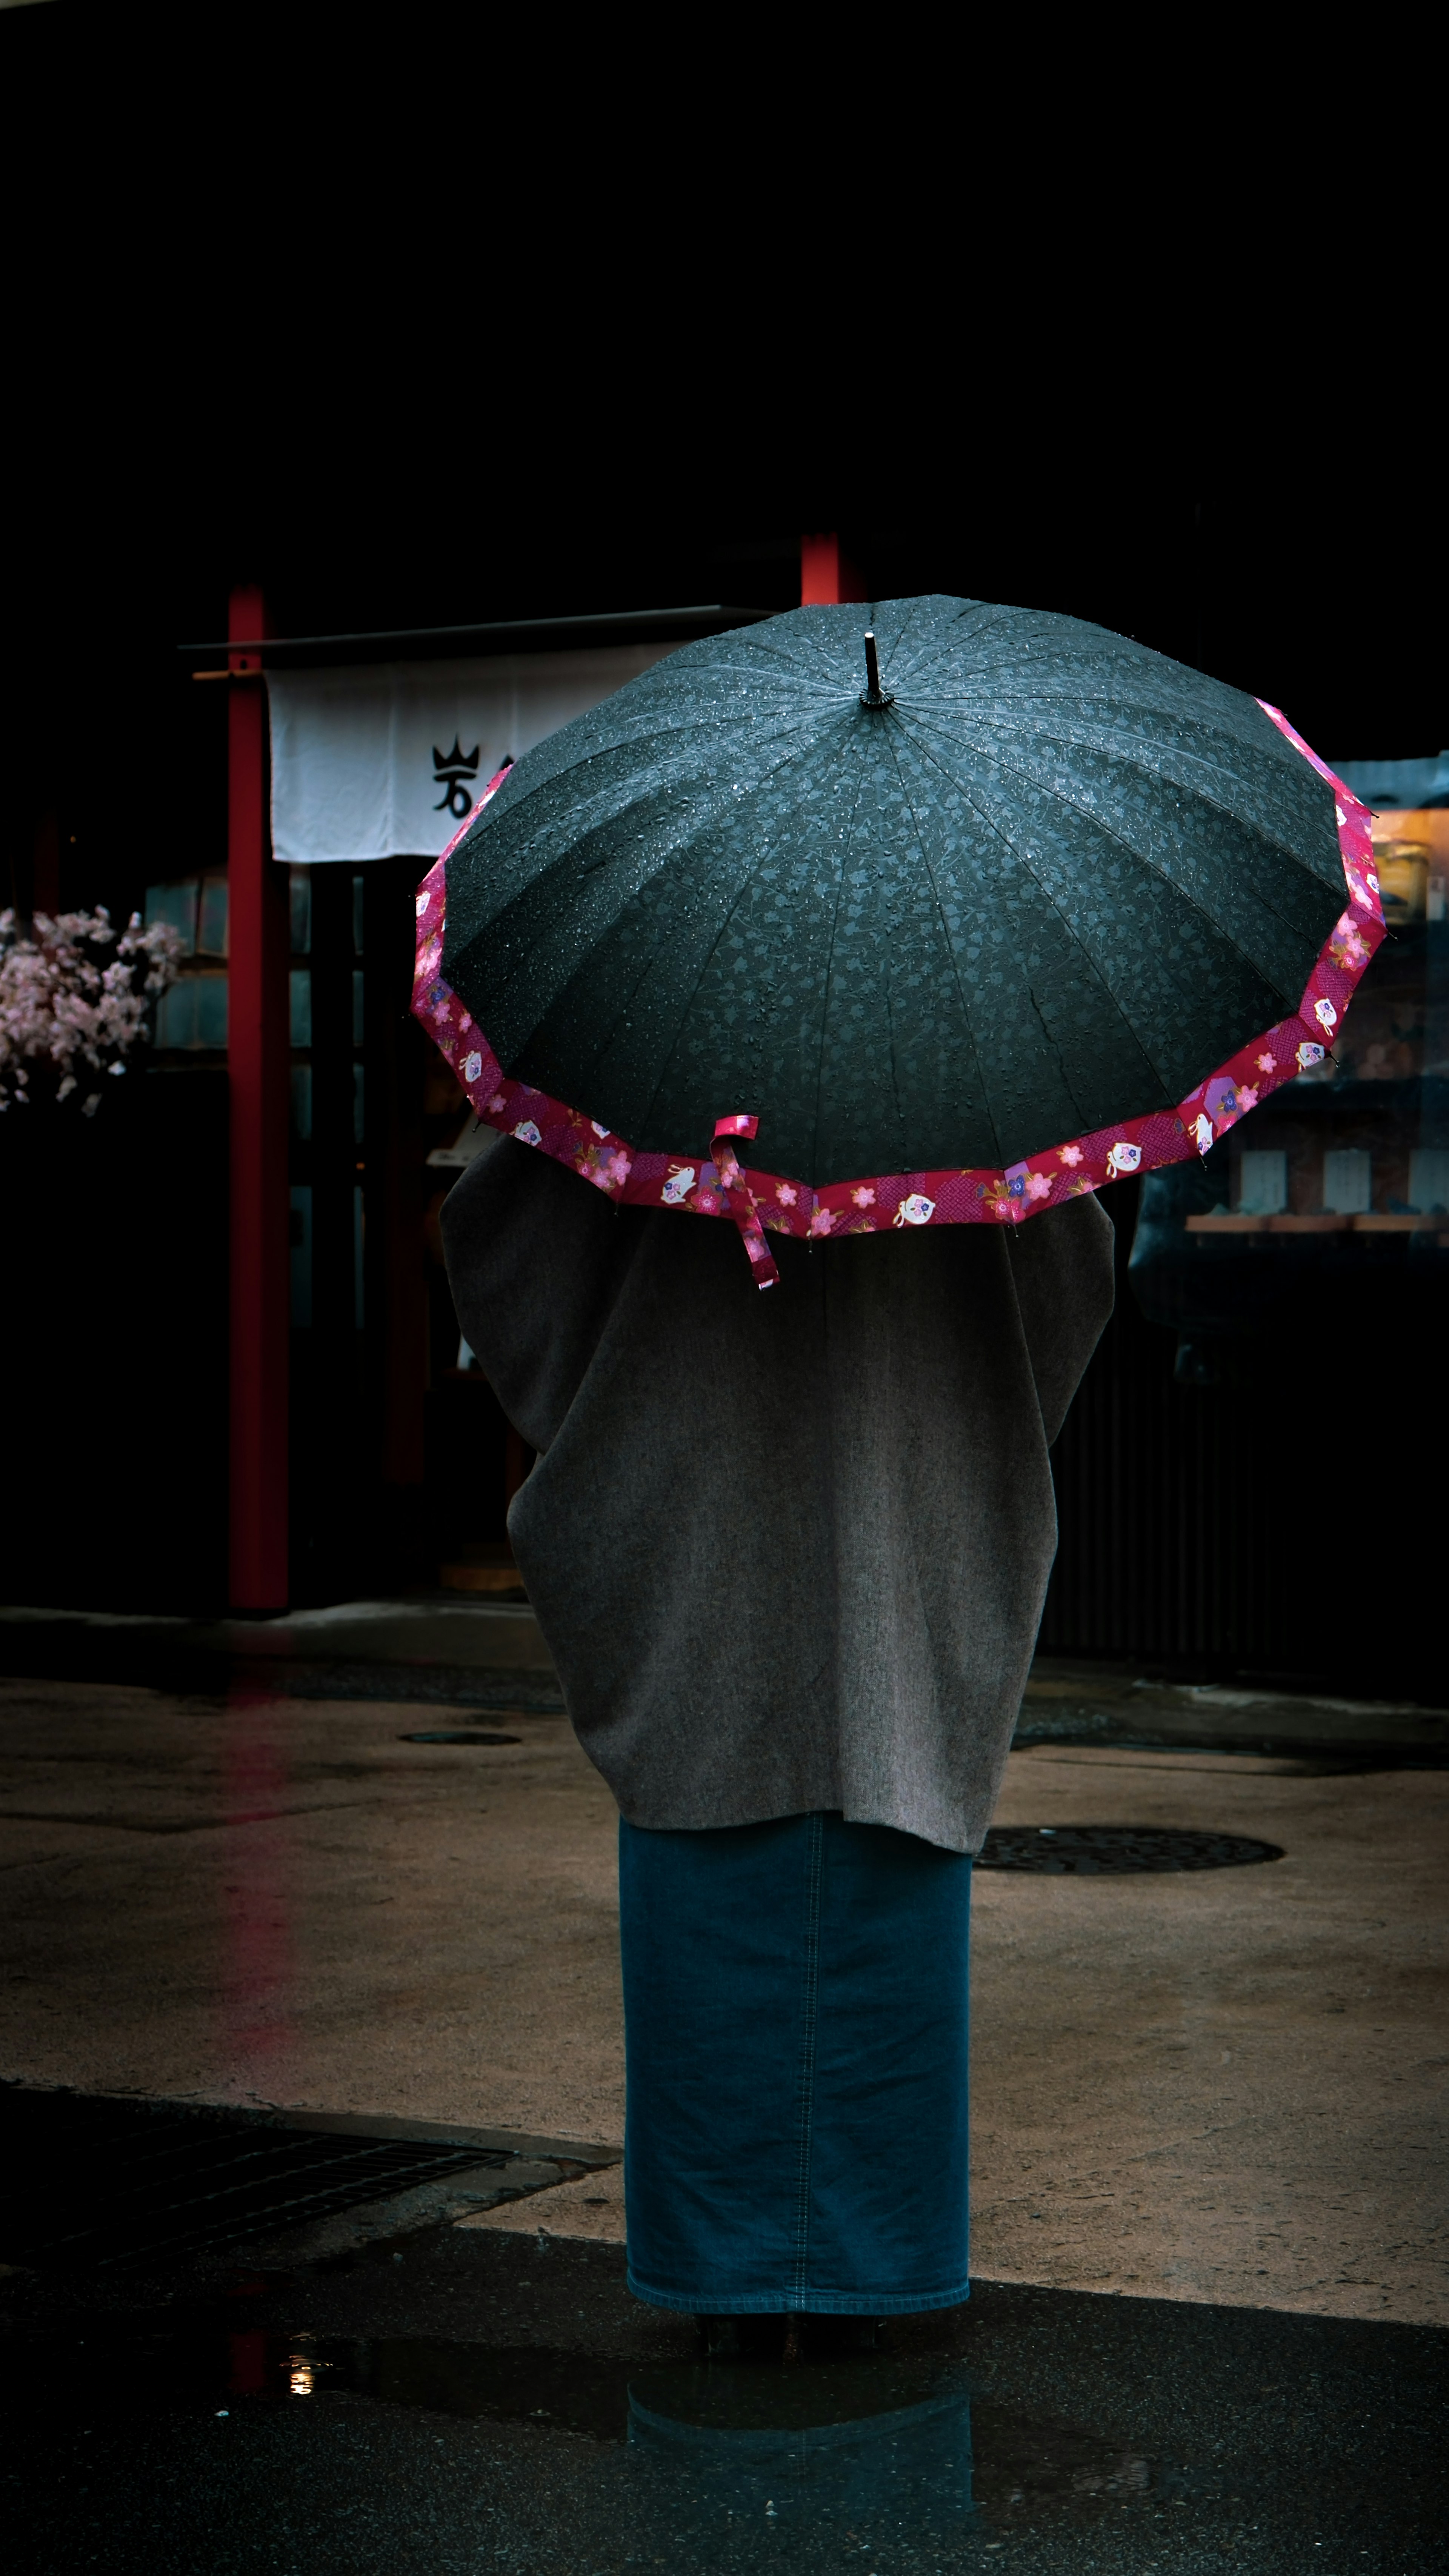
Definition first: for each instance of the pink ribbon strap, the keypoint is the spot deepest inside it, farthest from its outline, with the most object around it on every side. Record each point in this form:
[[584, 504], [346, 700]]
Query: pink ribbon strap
[[739, 1198]]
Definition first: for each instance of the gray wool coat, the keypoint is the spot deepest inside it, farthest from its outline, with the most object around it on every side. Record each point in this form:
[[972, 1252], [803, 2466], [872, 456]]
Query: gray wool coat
[[788, 1549]]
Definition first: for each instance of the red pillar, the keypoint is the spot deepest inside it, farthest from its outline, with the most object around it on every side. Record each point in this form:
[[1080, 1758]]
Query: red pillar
[[257, 1051], [819, 572], [827, 575]]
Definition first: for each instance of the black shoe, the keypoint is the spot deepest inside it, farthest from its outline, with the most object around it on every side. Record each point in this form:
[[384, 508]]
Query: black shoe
[[750, 2338], [838, 2338]]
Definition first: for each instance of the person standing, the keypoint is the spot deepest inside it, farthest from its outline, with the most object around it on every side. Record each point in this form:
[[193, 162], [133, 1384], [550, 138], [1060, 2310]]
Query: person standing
[[789, 1554]]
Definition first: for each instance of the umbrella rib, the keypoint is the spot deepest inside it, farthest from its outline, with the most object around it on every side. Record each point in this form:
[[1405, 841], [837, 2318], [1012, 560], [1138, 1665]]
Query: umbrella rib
[[1030, 646], [562, 857], [793, 656], [1067, 742], [1050, 899], [736, 899], [559, 864], [951, 953], [825, 993], [1109, 831], [821, 682], [699, 722], [991, 610]]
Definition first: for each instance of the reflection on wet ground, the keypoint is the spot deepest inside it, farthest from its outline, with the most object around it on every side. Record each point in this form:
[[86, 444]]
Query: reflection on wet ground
[[826, 2438], [457, 2402]]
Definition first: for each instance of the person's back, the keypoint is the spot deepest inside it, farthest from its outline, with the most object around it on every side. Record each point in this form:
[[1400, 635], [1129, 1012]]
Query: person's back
[[789, 1552]]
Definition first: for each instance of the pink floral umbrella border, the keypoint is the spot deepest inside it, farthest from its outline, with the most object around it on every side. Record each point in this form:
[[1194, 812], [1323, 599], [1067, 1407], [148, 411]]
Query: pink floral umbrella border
[[715, 1184]]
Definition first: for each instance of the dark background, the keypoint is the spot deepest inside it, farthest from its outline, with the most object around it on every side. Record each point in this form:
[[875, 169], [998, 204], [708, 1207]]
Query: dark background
[[512, 371]]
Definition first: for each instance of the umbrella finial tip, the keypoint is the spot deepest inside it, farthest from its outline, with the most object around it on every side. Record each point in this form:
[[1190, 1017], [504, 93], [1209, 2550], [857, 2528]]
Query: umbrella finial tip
[[873, 695]]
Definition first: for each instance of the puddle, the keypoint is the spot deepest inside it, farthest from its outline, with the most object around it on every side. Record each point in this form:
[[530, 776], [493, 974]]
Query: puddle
[[881, 2435]]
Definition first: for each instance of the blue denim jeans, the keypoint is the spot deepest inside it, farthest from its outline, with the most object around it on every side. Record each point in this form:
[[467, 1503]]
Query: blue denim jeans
[[795, 2002]]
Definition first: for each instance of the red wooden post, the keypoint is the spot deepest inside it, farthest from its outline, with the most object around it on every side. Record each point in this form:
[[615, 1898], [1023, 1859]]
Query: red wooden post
[[257, 1052], [827, 575], [819, 572]]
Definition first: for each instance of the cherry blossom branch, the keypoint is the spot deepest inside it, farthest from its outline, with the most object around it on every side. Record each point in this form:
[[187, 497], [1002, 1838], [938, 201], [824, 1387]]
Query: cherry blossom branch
[[67, 1003]]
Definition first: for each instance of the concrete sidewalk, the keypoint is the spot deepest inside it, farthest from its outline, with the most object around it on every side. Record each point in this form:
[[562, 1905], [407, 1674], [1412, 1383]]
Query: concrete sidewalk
[[1222, 2087]]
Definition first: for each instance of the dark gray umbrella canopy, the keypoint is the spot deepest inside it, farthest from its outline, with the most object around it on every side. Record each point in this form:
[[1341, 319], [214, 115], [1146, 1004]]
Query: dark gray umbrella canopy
[[1053, 884]]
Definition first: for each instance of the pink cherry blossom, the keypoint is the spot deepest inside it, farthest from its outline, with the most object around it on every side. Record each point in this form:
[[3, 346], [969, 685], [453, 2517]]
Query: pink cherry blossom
[[1038, 1186], [1247, 1097], [863, 1197], [1070, 1153], [62, 1002], [786, 1194], [822, 1221], [1266, 1063]]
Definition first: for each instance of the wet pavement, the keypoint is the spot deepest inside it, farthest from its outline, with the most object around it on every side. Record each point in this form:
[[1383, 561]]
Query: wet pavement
[[1218, 2083], [463, 2401], [335, 2277]]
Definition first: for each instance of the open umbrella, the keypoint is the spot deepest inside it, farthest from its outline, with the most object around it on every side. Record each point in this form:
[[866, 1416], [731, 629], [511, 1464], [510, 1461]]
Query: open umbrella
[[961, 916]]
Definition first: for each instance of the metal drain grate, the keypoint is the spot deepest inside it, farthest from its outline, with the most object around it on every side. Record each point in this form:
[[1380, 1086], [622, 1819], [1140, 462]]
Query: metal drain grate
[[94, 2183], [1111, 1851]]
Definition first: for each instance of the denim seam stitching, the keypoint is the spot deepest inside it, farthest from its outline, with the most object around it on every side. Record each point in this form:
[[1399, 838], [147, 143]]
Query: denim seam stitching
[[814, 1873]]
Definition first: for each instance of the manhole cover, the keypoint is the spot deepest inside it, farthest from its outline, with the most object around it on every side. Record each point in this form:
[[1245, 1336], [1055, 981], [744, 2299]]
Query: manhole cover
[[440, 1735], [1110, 1851]]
